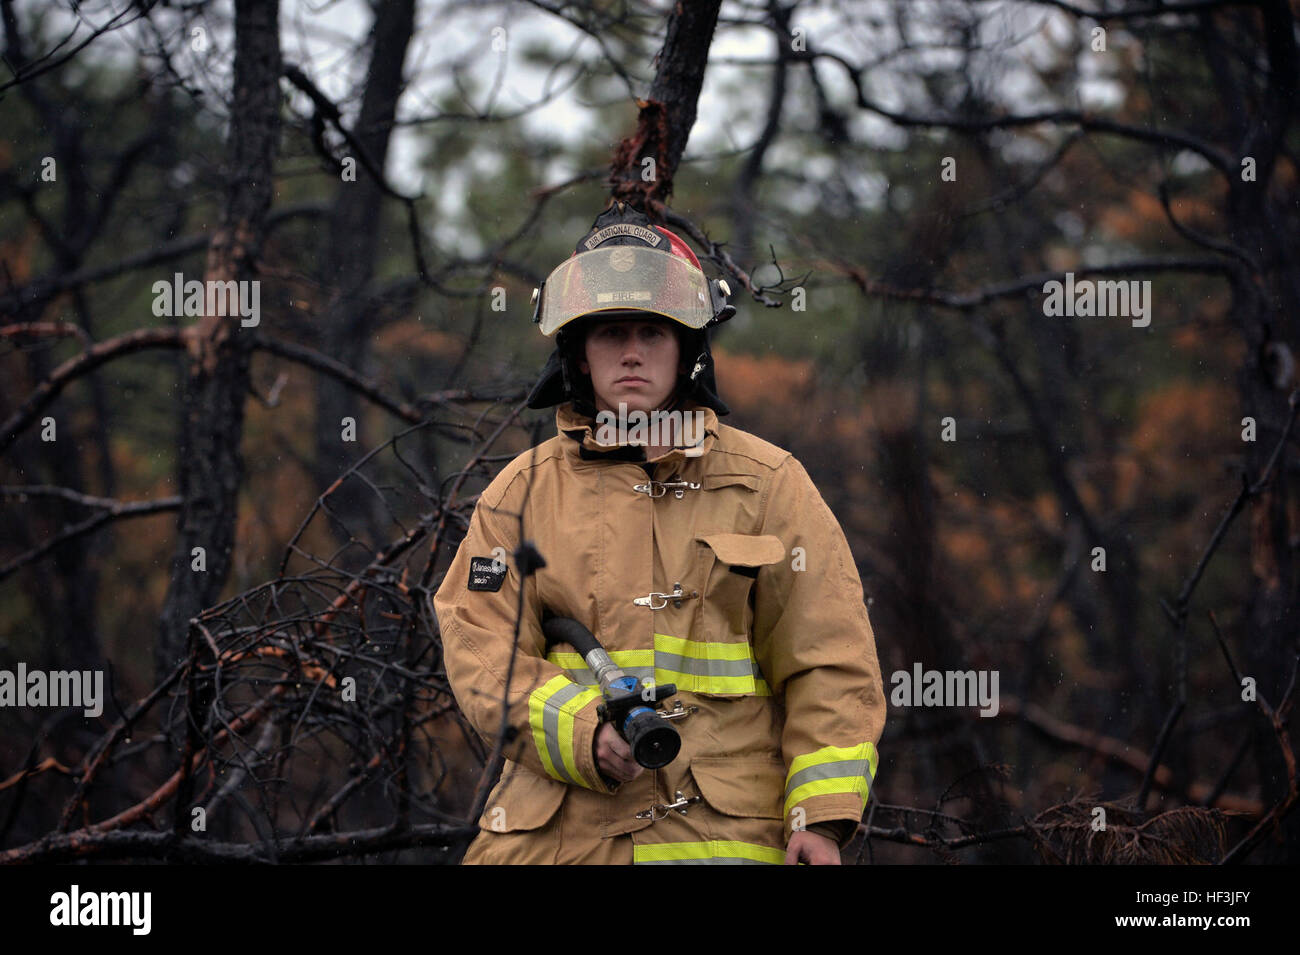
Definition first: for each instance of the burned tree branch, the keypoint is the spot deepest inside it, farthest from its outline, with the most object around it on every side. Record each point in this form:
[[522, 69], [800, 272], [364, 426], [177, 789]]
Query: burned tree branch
[[644, 163]]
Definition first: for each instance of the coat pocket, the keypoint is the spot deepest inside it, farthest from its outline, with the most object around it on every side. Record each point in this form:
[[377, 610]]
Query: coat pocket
[[718, 658], [714, 482], [748, 786], [521, 800], [729, 566]]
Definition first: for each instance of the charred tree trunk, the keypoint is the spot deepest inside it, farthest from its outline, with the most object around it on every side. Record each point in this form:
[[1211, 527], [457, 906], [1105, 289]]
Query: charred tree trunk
[[210, 465], [1265, 307], [348, 266], [667, 115]]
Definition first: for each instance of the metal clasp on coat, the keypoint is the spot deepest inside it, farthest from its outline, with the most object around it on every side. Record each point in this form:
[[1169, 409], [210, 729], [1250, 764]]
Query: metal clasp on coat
[[677, 596], [680, 803], [677, 712], [660, 488]]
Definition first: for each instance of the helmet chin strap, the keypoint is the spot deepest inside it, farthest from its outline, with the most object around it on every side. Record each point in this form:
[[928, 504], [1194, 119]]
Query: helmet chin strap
[[685, 382], [681, 390]]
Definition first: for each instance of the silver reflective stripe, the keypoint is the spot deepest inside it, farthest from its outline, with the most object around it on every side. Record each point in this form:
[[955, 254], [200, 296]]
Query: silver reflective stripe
[[836, 770], [702, 667], [551, 726]]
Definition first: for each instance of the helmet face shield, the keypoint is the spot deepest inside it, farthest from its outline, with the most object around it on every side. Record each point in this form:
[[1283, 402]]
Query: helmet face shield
[[620, 278]]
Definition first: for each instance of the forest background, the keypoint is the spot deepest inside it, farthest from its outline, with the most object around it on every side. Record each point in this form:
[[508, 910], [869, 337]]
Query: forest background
[[235, 520]]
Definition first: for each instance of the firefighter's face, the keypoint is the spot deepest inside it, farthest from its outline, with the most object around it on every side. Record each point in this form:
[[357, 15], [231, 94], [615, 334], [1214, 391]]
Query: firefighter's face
[[633, 361]]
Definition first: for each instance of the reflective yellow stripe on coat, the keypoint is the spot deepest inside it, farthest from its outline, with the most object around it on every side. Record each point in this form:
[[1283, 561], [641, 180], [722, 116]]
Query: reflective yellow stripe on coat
[[715, 852], [551, 708], [695, 666], [637, 663], [831, 770], [706, 666]]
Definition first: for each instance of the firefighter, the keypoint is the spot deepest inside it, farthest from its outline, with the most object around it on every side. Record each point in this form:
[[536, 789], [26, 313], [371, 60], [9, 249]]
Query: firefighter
[[700, 556]]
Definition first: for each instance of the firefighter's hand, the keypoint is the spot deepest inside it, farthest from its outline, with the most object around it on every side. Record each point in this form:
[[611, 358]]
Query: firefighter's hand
[[809, 847], [614, 756]]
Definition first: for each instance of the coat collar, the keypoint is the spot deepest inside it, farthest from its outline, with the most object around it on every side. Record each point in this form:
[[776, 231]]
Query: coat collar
[[578, 434]]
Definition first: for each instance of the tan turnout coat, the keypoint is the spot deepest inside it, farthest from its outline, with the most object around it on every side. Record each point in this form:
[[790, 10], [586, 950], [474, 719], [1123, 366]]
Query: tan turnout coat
[[770, 648]]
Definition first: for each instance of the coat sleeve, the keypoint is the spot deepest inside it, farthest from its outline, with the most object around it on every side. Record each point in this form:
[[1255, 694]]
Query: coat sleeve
[[817, 650], [552, 720]]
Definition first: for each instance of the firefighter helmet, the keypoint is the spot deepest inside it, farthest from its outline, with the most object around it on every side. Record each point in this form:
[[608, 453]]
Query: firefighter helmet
[[626, 267], [623, 264]]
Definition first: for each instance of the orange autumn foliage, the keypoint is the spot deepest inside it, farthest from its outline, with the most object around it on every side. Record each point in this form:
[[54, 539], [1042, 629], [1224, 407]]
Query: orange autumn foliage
[[1141, 212], [1183, 421], [753, 381], [410, 337]]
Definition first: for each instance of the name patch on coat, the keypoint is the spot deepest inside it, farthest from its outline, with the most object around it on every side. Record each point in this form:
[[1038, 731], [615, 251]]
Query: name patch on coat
[[486, 573]]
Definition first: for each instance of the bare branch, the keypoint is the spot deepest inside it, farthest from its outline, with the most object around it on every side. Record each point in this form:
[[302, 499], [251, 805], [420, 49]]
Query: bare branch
[[72, 369], [111, 511]]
